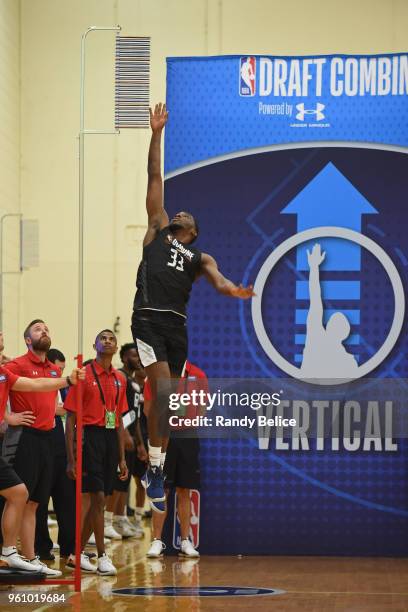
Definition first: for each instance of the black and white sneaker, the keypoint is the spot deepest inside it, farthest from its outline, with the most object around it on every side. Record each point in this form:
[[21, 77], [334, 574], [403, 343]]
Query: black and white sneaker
[[16, 561], [44, 569], [156, 549], [105, 566], [86, 565]]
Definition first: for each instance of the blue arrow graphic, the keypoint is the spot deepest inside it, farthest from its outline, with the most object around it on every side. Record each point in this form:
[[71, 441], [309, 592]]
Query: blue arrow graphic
[[330, 199]]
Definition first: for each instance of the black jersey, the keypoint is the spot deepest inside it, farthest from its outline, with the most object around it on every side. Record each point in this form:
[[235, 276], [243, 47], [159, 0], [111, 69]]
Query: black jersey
[[135, 401], [166, 274]]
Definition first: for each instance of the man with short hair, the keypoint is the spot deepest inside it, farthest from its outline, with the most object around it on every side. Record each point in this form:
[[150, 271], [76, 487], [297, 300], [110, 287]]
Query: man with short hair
[[26, 460], [103, 403]]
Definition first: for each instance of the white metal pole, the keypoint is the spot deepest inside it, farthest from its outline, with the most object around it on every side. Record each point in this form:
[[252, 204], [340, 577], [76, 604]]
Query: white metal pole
[[1, 261], [82, 133]]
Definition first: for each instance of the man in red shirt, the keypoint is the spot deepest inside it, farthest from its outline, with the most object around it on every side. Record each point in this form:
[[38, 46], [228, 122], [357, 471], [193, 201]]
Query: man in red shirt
[[12, 488], [29, 448], [104, 402], [181, 465]]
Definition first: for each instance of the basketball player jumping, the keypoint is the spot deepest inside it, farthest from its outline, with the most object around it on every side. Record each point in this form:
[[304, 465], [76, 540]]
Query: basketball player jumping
[[169, 267]]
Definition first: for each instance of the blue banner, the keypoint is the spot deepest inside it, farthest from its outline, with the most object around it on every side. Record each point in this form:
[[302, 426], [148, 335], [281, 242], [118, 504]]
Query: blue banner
[[223, 105], [274, 156]]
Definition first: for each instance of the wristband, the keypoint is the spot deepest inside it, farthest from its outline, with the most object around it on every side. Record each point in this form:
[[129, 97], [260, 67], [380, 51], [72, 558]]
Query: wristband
[[69, 383]]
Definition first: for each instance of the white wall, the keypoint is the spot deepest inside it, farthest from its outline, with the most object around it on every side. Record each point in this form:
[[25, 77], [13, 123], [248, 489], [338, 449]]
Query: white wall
[[115, 166]]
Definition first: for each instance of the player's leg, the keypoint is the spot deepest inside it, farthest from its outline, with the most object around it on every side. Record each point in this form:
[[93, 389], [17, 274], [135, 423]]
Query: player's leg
[[16, 499], [158, 374], [101, 463], [187, 478], [157, 546], [154, 338], [27, 464], [139, 468], [184, 511], [121, 523], [15, 494], [110, 507], [86, 526], [27, 531], [158, 519], [63, 496], [140, 496], [110, 466], [97, 507], [21, 456], [43, 542], [184, 514], [86, 530], [39, 494], [159, 379], [92, 492], [151, 346], [176, 346]]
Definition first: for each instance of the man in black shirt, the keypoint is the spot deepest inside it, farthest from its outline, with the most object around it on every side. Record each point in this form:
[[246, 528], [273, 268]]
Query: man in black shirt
[[169, 267]]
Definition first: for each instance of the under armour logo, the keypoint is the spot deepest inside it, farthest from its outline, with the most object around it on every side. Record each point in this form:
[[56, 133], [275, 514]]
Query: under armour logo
[[310, 111]]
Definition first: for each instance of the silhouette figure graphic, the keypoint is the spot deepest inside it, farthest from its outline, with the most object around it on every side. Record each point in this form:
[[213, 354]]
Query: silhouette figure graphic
[[324, 355]]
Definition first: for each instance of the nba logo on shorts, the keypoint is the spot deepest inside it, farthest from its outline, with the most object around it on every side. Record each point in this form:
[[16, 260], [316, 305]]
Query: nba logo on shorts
[[194, 520], [247, 74]]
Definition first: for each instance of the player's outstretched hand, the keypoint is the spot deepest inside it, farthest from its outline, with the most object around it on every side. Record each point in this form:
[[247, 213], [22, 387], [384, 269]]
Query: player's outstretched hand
[[158, 117], [243, 293]]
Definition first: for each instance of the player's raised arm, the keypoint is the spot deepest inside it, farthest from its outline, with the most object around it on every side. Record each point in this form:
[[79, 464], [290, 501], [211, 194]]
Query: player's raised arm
[[315, 259], [157, 216], [210, 271]]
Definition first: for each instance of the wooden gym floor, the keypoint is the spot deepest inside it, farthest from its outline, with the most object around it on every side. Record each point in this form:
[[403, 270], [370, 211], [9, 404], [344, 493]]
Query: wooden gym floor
[[311, 584]]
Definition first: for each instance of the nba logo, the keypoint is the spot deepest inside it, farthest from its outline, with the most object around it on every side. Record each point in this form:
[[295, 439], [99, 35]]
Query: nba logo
[[247, 73], [194, 520]]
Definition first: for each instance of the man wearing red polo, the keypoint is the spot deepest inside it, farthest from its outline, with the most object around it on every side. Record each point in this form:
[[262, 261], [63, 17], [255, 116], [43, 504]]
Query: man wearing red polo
[[12, 489], [28, 448], [104, 402]]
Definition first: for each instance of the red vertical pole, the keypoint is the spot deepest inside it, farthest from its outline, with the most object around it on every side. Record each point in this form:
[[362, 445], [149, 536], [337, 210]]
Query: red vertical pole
[[78, 483]]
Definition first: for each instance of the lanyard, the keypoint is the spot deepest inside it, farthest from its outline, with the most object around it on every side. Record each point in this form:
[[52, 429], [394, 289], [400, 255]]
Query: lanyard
[[100, 388]]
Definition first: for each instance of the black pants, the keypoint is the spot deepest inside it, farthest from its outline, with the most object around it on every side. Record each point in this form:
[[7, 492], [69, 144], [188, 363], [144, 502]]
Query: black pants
[[63, 498]]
